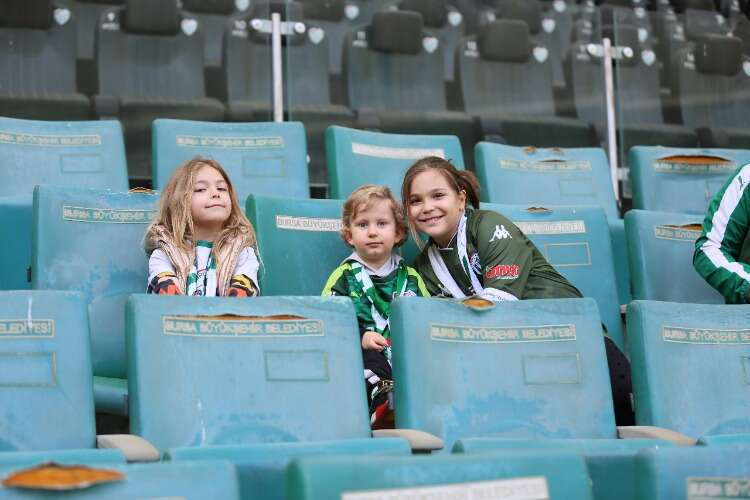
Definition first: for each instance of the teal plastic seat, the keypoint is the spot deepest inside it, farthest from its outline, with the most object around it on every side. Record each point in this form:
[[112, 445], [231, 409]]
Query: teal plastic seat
[[661, 246], [549, 177], [260, 158], [357, 157], [243, 374], [71, 457], [691, 366], [682, 180], [298, 241], [46, 397], [611, 463], [84, 154], [575, 240], [538, 474], [525, 369], [188, 481], [91, 241], [693, 473]]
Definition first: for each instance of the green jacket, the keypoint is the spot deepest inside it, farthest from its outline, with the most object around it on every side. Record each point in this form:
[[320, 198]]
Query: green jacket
[[722, 252], [341, 283], [501, 257]]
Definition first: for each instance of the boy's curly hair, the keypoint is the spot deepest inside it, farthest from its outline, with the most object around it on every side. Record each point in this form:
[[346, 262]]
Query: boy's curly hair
[[361, 199]]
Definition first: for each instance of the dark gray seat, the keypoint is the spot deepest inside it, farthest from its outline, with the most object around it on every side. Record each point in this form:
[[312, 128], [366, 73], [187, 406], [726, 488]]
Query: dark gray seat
[[149, 59], [394, 74], [38, 55], [506, 81], [712, 88], [307, 92]]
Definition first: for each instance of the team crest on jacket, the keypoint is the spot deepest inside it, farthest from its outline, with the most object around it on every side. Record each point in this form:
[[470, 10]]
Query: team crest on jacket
[[500, 233], [503, 272], [475, 264]]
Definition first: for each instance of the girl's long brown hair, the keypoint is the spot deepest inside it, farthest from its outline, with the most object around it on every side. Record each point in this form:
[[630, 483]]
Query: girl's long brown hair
[[459, 180], [175, 217]]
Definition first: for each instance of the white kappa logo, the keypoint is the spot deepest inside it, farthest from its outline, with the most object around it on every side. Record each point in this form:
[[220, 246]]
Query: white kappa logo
[[500, 233]]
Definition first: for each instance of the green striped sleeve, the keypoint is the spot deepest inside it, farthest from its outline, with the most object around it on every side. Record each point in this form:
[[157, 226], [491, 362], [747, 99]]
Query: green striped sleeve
[[725, 228], [421, 288], [336, 283]]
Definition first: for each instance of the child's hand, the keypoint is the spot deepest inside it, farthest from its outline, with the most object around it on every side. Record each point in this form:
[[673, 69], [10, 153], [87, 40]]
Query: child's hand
[[373, 340]]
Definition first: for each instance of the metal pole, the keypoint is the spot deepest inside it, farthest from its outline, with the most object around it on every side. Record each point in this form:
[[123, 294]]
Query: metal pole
[[278, 89], [609, 88]]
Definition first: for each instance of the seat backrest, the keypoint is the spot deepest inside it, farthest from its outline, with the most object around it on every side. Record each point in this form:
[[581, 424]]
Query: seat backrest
[[83, 154], [239, 371], [503, 69], [709, 345], [705, 76], [149, 48], [528, 368], [91, 241], [535, 474], [678, 179], [45, 372], [357, 157], [445, 22], [692, 472], [248, 58], [570, 177], [298, 241], [267, 158], [37, 48], [660, 249], [213, 15], [209, 480], [393, 64], [576, 241]]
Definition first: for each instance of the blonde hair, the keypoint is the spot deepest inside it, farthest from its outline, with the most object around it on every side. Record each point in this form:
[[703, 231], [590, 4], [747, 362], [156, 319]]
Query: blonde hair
[[175, 216], [460, 180], [361, 199]]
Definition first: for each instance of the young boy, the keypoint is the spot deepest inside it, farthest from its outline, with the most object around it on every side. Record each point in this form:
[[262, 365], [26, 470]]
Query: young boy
[[373, 224]]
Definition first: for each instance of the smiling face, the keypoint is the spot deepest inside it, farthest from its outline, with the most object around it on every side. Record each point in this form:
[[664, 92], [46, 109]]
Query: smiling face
[[373, 233], [435, 207], [210, 203]]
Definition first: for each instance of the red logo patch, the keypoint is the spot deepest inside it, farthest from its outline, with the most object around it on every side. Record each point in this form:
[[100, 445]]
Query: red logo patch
[[503, 271]]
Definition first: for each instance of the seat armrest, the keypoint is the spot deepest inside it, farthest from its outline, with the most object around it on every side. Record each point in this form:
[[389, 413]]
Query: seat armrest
[[419, 441], [651, 432], [135, 448]]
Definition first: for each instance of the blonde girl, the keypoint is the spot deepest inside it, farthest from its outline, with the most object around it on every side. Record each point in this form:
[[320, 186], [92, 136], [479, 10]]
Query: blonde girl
[[201, 243]]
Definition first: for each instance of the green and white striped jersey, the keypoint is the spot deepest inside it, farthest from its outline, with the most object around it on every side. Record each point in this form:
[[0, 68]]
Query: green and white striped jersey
[[722, 252]]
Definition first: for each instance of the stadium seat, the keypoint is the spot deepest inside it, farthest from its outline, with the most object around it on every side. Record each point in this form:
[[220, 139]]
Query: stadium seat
[[46, 398], [394, 72], [679, 179], [307, 87], [539, 474], [239, 377], [575, 240], [264, 158], [693, 473], [186, 481], [298, 241], [445, 22], [690, 366], [711, 81], [86, 154], [525, 369], [357, 157], [610, 463], [149, 60], [661, 246], [38, 57], [549, 177], [91, 241], [505, 80]]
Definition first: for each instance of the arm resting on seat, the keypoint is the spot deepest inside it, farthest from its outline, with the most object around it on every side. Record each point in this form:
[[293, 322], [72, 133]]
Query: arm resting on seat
[[135, 448], [650, 432], [419, 441]]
